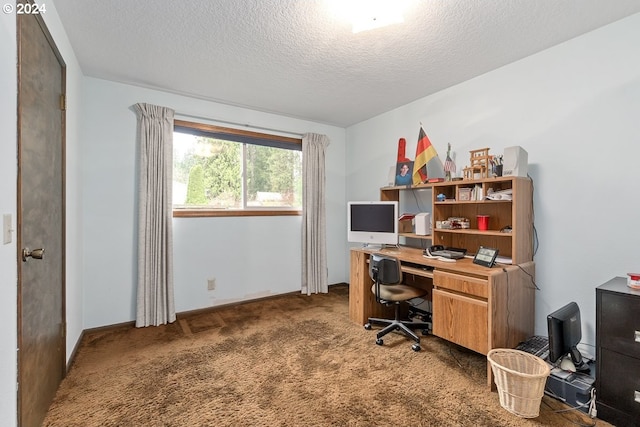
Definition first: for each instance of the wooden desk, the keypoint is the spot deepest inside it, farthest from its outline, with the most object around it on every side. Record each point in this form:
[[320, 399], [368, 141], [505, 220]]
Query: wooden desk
[[476, 307]]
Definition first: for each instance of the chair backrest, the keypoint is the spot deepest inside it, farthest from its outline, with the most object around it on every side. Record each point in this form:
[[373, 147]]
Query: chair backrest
[[385, 270]]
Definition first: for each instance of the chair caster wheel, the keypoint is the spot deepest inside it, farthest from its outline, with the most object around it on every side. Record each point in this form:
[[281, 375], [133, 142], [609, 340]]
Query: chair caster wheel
[[367, 326], [425, 332], [416, 347], [379, 341]]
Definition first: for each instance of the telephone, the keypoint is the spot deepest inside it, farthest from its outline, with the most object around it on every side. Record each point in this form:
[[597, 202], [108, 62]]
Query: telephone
[[436, 248], [445, 252]]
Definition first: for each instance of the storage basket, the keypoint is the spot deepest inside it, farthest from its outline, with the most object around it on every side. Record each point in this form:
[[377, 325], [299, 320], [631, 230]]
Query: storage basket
[[520, 379]]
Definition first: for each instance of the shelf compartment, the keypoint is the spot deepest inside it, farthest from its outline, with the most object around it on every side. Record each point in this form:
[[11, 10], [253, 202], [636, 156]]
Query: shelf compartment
[[472, 241]]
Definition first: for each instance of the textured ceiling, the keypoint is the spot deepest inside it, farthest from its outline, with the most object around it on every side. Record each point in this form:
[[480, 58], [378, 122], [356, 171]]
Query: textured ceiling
[[295, 58]]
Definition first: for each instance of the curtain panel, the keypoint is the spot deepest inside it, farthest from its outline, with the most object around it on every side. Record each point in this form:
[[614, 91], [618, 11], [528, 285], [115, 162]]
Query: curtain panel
[[314, 232], [155, 299]]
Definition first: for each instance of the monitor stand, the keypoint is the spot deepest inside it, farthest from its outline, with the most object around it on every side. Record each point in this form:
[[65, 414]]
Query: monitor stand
[[375, 246], [574, 362], [372, 246], [583, 368]]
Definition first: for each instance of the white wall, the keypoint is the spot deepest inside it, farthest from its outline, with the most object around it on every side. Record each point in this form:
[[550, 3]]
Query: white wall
[[576, 109], [248, 256], [8, 171]]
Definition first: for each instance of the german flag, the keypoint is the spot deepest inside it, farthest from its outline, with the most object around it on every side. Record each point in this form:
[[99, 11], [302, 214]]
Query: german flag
[[424, 153]]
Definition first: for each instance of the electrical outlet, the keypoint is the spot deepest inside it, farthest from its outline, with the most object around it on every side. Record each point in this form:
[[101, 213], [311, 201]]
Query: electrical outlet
[[211, 284]]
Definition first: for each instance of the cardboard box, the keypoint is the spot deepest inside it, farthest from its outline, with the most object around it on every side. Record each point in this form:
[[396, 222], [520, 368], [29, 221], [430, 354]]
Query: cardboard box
[[405, 225]]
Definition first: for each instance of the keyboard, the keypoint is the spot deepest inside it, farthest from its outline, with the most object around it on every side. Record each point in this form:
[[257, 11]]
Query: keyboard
[[416, 265], [536, 345]]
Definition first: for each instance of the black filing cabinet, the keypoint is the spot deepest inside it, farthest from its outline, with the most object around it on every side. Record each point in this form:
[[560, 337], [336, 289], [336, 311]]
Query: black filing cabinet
[[618, 353]]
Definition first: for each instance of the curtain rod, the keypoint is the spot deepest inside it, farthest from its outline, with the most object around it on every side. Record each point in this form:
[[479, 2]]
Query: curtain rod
[[299, 135]]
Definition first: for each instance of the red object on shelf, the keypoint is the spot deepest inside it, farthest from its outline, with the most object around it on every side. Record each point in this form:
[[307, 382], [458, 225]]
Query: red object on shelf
[[402, 146], [633, 281], [483, 222]]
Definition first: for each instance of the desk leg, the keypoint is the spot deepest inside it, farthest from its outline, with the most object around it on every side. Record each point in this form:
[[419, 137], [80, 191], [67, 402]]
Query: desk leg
[[490, 382], [358, 289], [362, 302]]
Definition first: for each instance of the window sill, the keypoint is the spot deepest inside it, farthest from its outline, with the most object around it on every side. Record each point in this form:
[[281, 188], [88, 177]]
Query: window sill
[[202, 213]]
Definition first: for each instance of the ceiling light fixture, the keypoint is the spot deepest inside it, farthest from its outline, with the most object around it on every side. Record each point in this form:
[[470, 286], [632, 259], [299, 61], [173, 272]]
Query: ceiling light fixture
[[369, 14]]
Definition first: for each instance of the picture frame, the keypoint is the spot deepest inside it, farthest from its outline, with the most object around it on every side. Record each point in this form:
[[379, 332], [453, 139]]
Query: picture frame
[[464, 194], [404, 173]]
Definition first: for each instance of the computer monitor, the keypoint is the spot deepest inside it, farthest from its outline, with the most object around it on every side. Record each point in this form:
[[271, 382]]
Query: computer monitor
[[373, 222], [565, 333]]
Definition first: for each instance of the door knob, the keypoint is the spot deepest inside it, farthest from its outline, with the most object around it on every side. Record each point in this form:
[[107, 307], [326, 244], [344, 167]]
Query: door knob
[[35, 254]]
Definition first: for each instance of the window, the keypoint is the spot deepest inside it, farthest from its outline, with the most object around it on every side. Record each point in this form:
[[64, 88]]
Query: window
[[228, 172]]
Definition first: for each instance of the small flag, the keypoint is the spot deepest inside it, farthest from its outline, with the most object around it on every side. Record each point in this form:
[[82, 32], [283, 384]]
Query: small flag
[[424, 153], [449, 165]]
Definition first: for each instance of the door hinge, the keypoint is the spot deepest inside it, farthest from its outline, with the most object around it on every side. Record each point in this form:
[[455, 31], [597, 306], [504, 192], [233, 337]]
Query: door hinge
[[63, 329], [63, 102]]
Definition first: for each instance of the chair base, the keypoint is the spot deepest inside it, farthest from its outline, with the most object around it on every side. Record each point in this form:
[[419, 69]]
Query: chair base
[[397, 325]]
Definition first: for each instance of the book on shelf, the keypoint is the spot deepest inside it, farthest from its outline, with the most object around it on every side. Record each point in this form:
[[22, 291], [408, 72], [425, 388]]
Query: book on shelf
[[406, 216], [476, 193]]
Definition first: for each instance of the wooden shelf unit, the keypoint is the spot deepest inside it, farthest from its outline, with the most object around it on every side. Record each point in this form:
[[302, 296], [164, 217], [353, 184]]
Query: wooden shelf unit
[[516, 213]]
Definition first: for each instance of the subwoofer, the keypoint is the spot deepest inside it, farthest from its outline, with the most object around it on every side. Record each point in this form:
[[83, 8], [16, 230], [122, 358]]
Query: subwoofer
[[515, 161]]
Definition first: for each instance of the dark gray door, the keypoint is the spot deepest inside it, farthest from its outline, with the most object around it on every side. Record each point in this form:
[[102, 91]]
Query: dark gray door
[[41, 321]]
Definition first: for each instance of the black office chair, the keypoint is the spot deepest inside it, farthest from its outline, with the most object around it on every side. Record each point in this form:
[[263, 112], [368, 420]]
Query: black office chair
[[388, 288]]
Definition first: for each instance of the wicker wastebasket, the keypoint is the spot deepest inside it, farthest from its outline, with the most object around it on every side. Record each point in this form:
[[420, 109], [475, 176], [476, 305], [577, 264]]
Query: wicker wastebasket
[[520, 379]]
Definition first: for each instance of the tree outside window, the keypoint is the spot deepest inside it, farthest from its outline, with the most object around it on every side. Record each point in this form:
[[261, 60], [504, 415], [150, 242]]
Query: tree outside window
[[211, 172]]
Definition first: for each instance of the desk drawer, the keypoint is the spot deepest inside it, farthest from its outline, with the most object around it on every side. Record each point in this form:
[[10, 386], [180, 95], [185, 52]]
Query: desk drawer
[[460, 283], [461, 320], [620, 382], [619, 326]]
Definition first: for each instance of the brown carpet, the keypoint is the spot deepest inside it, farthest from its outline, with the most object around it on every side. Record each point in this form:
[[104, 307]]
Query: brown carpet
[[286, 361]]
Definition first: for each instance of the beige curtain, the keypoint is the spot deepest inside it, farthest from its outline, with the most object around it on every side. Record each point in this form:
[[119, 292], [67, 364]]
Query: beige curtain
[[155, 301], [314, 233]]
